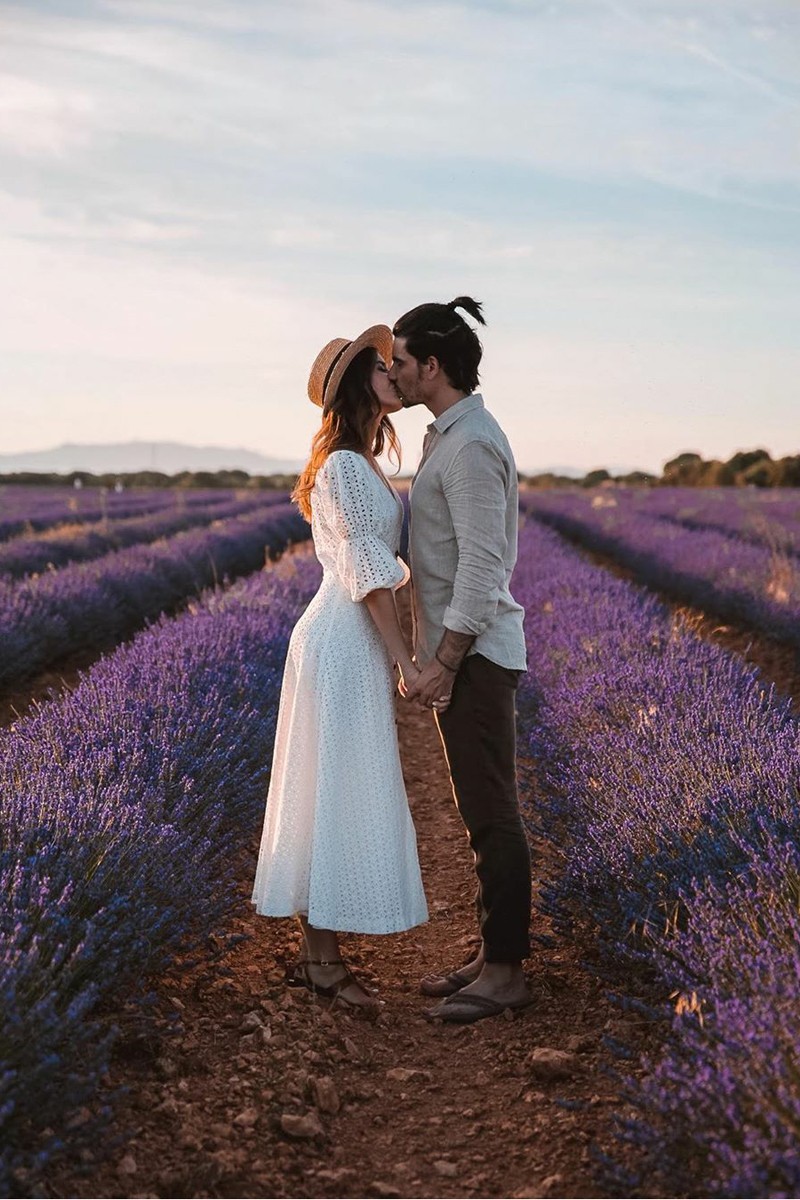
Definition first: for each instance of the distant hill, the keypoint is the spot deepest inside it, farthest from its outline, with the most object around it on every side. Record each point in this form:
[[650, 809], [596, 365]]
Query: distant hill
[[168, 457]]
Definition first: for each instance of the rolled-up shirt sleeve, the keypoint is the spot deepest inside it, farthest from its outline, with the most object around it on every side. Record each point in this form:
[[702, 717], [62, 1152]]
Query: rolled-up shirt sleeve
[[475, 485]]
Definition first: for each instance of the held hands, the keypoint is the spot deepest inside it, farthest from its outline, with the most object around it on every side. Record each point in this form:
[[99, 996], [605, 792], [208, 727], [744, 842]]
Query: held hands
[[430, 688], [409, 673]]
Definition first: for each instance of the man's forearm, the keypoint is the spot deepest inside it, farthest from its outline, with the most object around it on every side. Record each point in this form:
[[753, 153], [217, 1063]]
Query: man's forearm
[[453, 648], [433, 686]]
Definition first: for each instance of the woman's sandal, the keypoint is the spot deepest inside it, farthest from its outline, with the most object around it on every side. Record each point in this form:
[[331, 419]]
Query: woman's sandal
[[297, 975]]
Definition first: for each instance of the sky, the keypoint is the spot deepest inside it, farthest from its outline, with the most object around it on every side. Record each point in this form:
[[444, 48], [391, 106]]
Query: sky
[[196, 195]]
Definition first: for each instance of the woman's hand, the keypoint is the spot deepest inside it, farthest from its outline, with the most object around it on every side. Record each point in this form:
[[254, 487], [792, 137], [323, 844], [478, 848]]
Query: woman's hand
[[409, 673], [432, 687]]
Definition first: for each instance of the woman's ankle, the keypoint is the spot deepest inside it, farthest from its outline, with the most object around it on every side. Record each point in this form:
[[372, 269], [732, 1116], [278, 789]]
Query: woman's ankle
[[321, 946]]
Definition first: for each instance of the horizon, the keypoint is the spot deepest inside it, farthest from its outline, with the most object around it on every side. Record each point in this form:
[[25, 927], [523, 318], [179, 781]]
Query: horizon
[[405, 472], [195, 200]]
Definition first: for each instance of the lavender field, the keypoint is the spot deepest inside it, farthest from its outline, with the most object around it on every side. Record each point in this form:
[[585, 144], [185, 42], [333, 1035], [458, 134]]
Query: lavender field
[[671, 796], [667, 788], [33, 553], [33, 509], [123, 805], [771, 517], [733, 574], [92, 605]]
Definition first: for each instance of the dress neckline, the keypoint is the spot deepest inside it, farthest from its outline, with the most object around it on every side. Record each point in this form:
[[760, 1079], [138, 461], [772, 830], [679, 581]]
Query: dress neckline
[[379, 475]]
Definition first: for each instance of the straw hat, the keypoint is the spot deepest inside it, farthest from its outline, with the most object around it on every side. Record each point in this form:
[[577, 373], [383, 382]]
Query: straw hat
[[334, 359]]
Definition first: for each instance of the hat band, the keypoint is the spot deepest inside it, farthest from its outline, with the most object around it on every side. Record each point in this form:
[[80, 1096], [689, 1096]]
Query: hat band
[[330, 369]]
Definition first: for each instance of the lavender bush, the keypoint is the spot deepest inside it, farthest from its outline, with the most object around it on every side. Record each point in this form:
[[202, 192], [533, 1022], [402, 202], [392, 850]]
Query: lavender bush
[[722, 1103], [123, 806], [770, 517], [646, 733], [723, 574], [38, 552], [670, 786], [30, 509], [94, 605]]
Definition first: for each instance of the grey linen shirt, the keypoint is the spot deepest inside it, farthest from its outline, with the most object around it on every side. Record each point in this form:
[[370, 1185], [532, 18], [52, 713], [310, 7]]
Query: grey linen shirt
[[463, 536]]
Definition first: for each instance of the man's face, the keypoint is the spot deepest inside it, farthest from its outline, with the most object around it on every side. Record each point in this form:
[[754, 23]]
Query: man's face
[[406, 374]]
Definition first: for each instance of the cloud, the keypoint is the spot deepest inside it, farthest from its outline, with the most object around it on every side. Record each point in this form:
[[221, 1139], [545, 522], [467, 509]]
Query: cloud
[[130, 308], [734, 25], [584, 90], [37, 119], [363, 253]]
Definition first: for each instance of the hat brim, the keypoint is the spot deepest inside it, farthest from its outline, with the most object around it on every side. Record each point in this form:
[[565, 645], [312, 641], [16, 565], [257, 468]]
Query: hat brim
[[324, 379]]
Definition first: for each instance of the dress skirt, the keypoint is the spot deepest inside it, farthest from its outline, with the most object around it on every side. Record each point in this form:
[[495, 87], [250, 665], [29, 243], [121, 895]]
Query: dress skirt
[[338, 843]]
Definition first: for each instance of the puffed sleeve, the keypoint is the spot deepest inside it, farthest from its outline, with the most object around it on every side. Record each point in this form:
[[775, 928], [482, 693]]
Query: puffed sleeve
[[364, 561]]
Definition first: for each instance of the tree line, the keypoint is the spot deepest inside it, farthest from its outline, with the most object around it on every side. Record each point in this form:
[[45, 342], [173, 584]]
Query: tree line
[[746, 468], [114, 480]]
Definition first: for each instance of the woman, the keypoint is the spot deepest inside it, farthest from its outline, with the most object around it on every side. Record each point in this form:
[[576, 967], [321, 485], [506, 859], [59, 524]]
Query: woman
[[338, 847]]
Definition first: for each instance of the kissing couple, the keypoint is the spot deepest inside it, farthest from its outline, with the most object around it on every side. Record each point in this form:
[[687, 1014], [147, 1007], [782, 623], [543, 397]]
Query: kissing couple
[[338, 848]]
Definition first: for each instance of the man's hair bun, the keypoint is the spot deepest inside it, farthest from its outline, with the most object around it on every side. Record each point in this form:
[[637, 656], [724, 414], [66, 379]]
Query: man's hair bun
[[473, 307]]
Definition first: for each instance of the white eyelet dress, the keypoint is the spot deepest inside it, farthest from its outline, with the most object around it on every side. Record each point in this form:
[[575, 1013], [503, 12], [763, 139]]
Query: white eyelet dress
[[338, 843]]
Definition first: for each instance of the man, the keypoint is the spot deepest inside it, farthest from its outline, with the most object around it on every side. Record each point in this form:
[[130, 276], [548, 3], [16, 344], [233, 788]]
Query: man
[[468, 637]]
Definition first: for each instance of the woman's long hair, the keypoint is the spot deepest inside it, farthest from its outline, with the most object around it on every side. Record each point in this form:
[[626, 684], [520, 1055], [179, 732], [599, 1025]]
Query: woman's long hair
[[346, 426]]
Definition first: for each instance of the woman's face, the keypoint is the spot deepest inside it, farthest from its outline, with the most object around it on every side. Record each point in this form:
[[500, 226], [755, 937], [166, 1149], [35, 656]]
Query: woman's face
[[388, 398]]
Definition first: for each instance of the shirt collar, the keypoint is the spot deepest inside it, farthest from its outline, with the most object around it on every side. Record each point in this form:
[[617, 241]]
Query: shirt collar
[[451, 415]]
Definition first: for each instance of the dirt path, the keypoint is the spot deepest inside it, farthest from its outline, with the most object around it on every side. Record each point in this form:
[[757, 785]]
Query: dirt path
[[17, 701], [262, 1091]]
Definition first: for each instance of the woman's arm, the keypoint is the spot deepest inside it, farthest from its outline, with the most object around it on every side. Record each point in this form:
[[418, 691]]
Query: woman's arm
[[382, 609]]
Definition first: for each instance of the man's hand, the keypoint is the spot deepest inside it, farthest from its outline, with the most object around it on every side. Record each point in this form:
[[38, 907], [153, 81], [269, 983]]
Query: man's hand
[[432, 687]]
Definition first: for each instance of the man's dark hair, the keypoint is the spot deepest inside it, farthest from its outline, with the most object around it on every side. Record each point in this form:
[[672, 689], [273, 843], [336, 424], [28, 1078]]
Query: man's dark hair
[[438, 330]]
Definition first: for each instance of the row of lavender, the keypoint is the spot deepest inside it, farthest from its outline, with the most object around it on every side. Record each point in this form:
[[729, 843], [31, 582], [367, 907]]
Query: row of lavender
[[31, 554], [769, 517], [670, 777], [123, 807], [32, 509], [92, 606], [736, 579]]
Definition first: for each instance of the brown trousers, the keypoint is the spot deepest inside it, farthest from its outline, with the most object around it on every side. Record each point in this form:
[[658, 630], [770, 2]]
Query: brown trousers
[[478, 732]]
